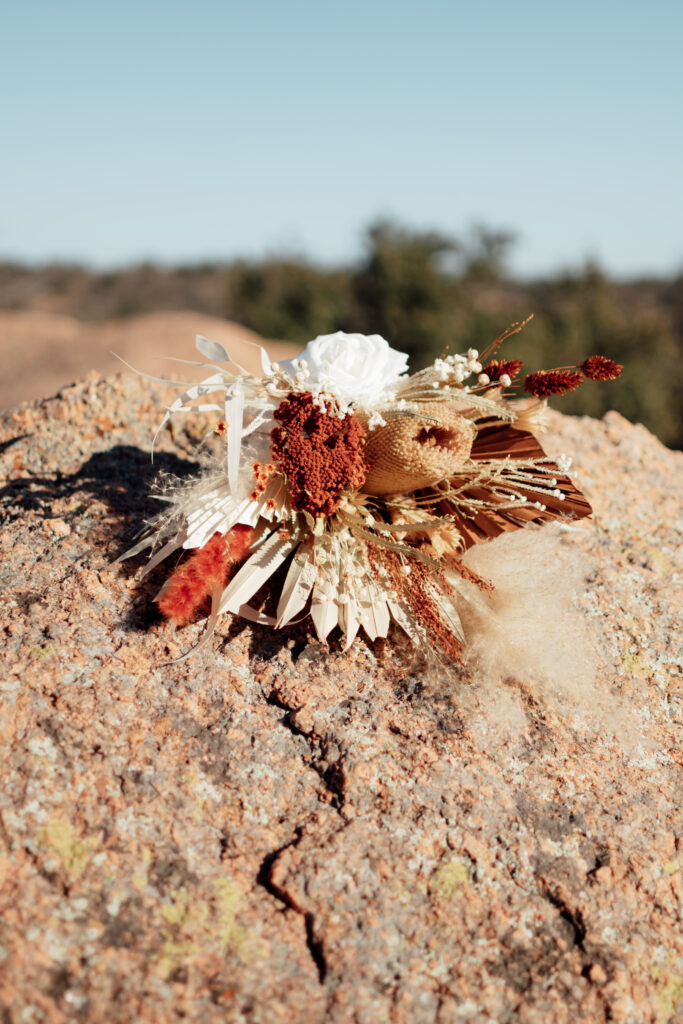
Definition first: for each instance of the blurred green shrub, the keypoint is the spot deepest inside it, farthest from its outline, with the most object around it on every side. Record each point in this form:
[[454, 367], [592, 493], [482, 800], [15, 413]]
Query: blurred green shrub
[[288, 299], [427, 292]]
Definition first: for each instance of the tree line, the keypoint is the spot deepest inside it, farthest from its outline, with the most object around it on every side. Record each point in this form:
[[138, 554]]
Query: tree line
[[427, 293]]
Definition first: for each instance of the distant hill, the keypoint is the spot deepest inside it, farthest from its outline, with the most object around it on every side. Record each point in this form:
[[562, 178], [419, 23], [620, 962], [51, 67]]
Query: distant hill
[[41, 351]]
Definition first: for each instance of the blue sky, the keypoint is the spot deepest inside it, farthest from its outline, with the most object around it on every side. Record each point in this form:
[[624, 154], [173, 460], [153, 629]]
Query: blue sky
[[177, 131]]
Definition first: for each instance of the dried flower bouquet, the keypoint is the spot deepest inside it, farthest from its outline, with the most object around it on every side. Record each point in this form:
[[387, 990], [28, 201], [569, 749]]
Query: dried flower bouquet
[[354, 489]]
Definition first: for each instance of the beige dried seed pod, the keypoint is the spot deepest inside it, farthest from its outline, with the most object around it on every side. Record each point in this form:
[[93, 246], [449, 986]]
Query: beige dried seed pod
[[412, 452]]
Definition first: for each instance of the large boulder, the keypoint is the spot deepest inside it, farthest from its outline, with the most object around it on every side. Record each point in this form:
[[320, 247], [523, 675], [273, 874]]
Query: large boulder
[[274, 831]]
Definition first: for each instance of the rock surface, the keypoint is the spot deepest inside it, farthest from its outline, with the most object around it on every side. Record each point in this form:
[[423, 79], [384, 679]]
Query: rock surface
[[273, 832]]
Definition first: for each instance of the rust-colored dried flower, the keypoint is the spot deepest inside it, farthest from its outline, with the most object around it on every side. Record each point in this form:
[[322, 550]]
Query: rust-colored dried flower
[[497, 368], [601, 368], [206, 569], [261, 475], [552, 382], [417, 590], [321, 455]]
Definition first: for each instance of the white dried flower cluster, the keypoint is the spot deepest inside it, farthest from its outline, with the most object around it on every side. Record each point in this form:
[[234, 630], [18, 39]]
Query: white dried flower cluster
[[359, 370], [346, 592], [281, 382], [457, 368], [344, 373]]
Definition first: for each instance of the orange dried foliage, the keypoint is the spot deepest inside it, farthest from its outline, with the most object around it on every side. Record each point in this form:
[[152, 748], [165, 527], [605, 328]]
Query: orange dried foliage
[[261, 475], [416, 590], [469, 574]]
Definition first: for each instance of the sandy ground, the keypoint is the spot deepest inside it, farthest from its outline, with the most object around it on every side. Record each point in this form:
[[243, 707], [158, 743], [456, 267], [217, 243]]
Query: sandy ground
[[40, 352]]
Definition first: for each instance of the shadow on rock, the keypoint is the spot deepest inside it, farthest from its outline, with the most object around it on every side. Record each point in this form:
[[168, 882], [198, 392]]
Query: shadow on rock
[[120, 479]]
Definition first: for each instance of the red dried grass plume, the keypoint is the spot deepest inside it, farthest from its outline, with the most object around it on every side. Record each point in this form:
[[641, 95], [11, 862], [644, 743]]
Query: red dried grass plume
[[206, 570], [601, 368], [498, 367], [552, 382]]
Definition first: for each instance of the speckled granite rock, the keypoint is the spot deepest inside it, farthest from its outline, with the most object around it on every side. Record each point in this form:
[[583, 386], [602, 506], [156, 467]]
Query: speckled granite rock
[[269, 832]]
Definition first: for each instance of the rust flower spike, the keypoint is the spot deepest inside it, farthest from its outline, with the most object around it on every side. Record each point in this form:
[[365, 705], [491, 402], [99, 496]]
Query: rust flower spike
[[545, 383], [498, 368], [601, 368]]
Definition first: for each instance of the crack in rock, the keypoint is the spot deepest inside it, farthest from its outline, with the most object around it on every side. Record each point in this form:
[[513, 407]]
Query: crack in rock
[[591, 954], [265, 879], [574, 918], [325, 757]]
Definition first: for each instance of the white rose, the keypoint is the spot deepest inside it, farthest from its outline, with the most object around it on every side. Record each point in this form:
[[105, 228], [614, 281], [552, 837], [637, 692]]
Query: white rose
[[356, 368]]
